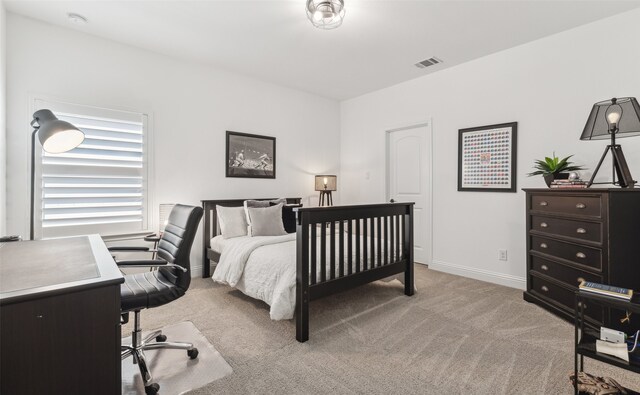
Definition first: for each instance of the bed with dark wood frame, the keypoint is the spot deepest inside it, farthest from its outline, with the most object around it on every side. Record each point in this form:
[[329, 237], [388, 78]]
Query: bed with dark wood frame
[[389, 226]]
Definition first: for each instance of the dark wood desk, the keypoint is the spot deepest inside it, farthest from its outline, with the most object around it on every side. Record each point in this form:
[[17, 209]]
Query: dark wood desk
[[60, 317]]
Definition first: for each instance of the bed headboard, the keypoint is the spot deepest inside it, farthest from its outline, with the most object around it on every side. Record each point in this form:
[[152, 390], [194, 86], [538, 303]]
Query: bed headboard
[[212, 227]]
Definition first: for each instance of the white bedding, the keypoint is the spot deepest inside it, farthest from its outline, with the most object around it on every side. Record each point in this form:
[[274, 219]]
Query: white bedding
[[267, 273], [262, 267]]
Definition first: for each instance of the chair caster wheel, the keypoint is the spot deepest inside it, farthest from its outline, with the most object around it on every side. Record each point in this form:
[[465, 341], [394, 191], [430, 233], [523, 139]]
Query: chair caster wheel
[[161, 338], [193, 353], [152, 389]]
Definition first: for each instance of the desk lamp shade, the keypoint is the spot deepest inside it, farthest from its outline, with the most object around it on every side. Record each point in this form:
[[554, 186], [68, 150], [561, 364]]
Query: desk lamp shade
[[616, 116], [611, 119], [326, 183], [56, 136]]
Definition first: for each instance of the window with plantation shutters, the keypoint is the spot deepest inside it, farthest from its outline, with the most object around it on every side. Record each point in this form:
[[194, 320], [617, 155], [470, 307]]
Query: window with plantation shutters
[[100, 186]]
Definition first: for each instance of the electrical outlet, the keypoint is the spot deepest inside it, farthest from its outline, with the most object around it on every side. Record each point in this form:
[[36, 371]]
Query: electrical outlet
[[502, 255]]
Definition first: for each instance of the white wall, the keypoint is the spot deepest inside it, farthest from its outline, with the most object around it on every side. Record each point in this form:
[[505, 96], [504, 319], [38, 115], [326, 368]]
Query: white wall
[[547, 86], [192, 106], [3, 112]]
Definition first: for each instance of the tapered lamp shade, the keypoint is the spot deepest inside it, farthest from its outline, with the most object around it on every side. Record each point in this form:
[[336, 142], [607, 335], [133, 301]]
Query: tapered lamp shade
[[326, 183], [620, 116], [56, 136]]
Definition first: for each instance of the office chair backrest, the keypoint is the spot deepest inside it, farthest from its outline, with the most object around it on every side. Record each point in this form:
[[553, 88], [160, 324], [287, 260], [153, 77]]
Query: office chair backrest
[[176, 241]]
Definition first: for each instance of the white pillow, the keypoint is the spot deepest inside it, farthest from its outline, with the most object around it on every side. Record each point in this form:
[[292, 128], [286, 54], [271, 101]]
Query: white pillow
[[266, 221], [232, 220]]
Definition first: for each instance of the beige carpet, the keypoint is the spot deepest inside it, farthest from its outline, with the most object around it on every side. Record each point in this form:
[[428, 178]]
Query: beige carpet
[[455, 336]]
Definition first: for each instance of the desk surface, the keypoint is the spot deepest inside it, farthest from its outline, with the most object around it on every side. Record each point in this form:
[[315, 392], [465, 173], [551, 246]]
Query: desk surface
[[31, 269]]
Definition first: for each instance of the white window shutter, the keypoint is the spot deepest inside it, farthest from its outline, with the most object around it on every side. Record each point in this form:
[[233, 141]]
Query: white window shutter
[[100, 186]]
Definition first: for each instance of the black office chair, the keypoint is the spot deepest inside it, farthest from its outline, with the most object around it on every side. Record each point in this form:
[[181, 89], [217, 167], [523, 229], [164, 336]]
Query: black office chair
[[158, 287]]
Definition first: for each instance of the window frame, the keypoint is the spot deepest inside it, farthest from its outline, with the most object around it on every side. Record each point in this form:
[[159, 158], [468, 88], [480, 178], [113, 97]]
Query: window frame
[[37, 102]]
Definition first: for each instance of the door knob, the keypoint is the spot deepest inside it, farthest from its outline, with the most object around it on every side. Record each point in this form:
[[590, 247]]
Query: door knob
[[392, 201]]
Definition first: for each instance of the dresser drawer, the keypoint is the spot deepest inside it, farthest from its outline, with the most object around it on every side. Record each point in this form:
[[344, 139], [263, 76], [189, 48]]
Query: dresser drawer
[[579, 254], [582, 230], [566, 274], [563, 296], [572, 205]]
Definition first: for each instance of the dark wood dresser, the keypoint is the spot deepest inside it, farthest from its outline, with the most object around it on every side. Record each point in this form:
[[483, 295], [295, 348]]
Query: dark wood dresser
[[60, 317], [582, 234]]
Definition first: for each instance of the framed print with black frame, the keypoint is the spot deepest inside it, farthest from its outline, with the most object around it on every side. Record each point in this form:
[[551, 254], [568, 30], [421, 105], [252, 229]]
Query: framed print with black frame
[[250, 155], [487, 158]]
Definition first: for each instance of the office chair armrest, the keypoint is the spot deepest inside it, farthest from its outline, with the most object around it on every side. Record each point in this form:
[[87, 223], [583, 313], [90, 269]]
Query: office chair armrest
[[150, 263], [125, 248]]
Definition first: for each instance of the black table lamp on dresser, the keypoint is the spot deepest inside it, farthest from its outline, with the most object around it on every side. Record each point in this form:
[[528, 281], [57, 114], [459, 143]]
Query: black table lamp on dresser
[[56, 137], [610, 119], [325, 184]]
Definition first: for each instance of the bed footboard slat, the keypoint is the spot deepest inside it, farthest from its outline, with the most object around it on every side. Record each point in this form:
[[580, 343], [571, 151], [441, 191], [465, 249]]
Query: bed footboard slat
[[365, 255], [323, 252], [332, 250], [379, 239], [392, 238], [357, 235], [372, 228], [341, 249], [314, 253], [398, 236]]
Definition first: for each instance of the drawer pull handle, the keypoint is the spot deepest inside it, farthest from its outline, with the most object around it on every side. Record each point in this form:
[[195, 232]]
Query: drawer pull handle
[[583, 305], [581, 230], [543, 224], [543, 245], [544, 288], [581, 255], [580, 279], [544, 267], [581, 206], [543, 203]]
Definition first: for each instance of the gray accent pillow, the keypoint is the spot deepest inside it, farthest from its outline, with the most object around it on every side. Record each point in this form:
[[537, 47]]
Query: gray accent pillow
[[266, 221], [232, 220], [260, 203]]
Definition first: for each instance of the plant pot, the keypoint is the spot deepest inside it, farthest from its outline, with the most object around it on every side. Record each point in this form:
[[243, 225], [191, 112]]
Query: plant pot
[[548, 178]]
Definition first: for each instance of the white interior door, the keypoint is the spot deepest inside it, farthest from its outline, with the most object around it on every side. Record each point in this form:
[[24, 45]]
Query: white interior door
[[408, 180]]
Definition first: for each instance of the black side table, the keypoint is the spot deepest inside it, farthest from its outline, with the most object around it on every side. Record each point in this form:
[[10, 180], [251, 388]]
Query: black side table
[[585, 337]]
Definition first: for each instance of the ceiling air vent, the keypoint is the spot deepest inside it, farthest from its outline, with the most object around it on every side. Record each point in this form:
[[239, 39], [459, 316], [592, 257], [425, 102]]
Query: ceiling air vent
[[428, 62]]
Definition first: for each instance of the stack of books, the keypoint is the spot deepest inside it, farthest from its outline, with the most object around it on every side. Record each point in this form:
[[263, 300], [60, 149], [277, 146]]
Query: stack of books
[[606, 290], [569, 184]]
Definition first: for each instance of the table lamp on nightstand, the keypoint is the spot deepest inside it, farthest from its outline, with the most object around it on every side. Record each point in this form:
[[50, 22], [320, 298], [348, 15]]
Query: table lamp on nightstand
[[325, 184]]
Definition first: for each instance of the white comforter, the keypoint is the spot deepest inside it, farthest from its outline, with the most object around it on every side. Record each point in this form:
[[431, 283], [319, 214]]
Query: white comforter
[[267, 273], [264, 268]]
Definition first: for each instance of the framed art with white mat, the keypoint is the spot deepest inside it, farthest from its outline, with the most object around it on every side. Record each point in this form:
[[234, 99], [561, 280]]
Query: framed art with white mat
[[487, 158]]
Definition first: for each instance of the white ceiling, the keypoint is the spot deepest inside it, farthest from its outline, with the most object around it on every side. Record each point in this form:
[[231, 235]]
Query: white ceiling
[[376, 46]]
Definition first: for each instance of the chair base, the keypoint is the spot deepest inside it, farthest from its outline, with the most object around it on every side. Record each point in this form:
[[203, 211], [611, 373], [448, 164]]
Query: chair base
[[153, 341]]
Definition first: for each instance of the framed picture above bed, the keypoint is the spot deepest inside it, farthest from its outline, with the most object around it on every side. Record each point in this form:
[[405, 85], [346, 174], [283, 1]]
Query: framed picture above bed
[[250, 155], [487, 158]]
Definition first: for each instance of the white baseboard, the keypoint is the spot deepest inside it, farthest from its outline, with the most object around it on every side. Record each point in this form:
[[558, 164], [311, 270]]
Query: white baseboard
[[508, 280], [196, 271]]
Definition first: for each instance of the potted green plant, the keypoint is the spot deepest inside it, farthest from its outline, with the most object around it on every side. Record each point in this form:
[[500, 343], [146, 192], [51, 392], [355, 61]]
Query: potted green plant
[[554, 168]]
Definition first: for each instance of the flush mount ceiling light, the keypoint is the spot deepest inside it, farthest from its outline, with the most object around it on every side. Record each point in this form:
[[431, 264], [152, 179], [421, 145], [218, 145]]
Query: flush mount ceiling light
[[325, 14], [77, 19]]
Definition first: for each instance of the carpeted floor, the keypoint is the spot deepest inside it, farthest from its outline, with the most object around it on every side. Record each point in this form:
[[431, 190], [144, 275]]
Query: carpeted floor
[[455, 335]]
